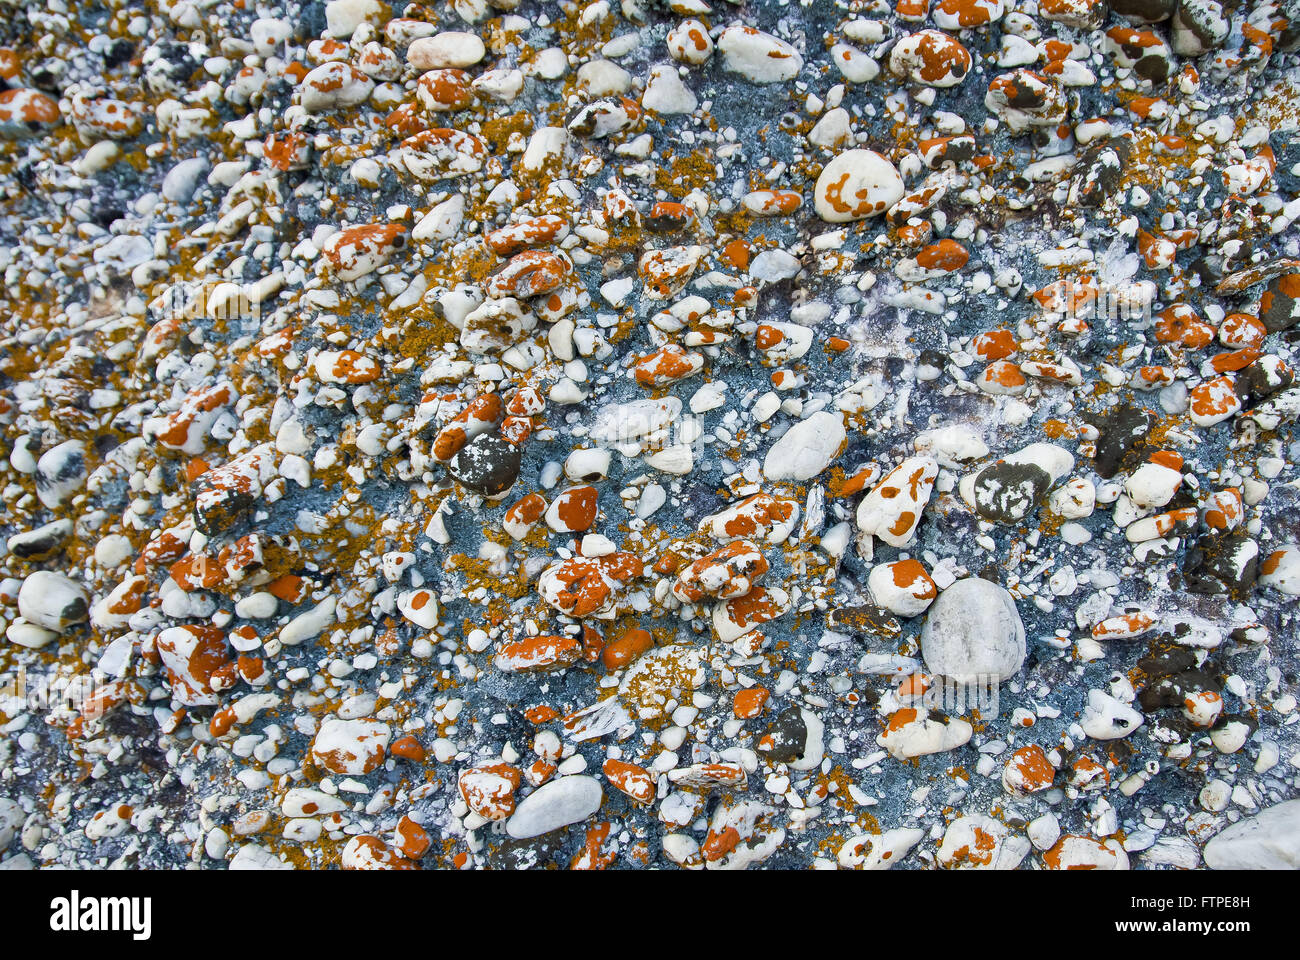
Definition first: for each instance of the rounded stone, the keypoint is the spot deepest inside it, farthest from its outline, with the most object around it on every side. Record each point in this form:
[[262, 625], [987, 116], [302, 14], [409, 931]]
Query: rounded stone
[[488, 464], [555, 804], [973, 631], [52, 601], [807, 448], [855, 185]]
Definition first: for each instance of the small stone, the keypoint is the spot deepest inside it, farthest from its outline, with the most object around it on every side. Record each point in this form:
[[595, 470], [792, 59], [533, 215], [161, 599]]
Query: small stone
[[350, 747], [555, 804], [785, 737], [52, 601], [666, 94], [806, 449], [902, 587], [972, 632], [334, 86], [856, 185], [488, 464], [448, 49], [60, 473], [757, 56]]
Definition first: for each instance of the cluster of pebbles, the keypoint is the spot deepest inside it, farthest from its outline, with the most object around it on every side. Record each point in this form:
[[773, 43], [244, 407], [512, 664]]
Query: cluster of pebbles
[[657, 433]]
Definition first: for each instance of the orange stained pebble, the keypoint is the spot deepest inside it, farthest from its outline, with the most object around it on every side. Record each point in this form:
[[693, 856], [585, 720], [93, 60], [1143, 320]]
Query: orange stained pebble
[[969, 13], [516, 429], [412, 840], [539, 771], [540, 714], [944, 255], [858, 481], [837, 344], [222, 721], [408, 748], [592, 643], [1233, 360], [635, 781], [288, 588], [1288, 286], [1005, 373], [1154, 376], [543, 652], [196, 572], [1242, 330], [899, 719], [1224, 510], [1142, 106], [914, 685], [718, 845], [626, 648], [908, 572], [527, 510], [737, 254], [194, 469], [284, 151], [596, 853], [915, 234], [1034, 769], [576, 508], [665, 365], [508, 240], [1168, 458], [766, 337], [749, 703], [250, 668], [1057, 49], [995, 345], [1085, 769]]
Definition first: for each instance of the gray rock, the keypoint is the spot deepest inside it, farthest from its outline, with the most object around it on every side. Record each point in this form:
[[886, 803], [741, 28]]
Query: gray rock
[[1270, 840], [973, 630], [1007, 492], [556, 804], [786, 737], [488, 464]]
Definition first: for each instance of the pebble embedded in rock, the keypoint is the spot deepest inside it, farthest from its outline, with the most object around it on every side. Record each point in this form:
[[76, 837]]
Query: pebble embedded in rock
[[973, 632], [855, 185], [555, 804], [488, 464], [806, 449]]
